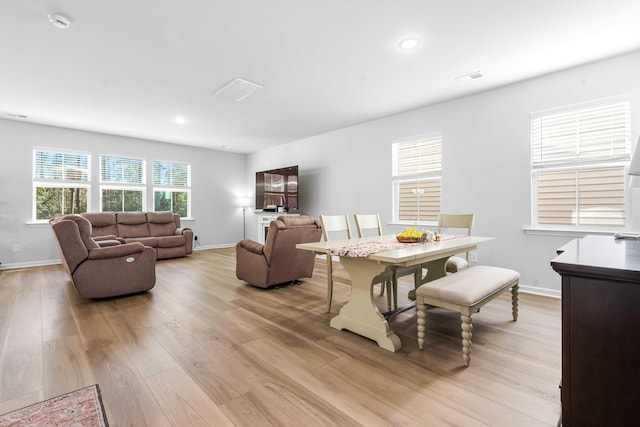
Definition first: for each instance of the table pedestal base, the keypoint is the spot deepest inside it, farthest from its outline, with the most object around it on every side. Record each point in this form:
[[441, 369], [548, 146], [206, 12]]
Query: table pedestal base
[[360, 314]]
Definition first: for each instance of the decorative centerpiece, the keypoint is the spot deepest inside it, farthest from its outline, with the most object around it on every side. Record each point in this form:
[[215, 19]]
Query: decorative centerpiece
[[413, 235]]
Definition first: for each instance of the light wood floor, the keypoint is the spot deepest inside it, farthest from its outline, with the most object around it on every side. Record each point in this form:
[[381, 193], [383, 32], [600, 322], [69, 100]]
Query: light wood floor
[[203, 348]]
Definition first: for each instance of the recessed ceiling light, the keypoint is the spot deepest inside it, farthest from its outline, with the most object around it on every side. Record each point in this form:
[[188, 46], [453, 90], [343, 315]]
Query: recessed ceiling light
[[180, 120], [409, 43], [59, 21]]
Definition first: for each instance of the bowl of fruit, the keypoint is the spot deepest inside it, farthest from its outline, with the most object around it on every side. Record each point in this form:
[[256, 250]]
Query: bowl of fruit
[[413, 235], [410, 235]]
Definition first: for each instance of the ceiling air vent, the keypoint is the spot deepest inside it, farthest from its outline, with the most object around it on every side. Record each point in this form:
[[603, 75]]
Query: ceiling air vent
[[238, 89], [470, 76], [17, 116]]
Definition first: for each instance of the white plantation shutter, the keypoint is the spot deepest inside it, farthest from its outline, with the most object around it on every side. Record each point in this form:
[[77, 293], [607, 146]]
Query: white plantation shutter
[[423, 156], [578, 160], [171, 174], [417, 170], [60, 166], [121, 170], [591, 134]]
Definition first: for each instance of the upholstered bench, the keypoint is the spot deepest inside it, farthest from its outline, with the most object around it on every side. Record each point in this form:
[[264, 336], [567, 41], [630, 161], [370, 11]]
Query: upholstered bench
[[465, 292]]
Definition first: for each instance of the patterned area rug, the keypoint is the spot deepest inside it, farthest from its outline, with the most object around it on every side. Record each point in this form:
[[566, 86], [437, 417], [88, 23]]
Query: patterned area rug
[[80, 408]]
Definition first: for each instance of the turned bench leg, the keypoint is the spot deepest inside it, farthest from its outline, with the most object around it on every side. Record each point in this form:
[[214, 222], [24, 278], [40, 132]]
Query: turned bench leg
[[422, 312], [514, 301], [467, 329]]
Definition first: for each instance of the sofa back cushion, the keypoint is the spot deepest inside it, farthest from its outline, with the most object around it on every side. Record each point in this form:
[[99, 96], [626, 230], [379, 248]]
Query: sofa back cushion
[[161, 223], [132, 224], [102, 223]]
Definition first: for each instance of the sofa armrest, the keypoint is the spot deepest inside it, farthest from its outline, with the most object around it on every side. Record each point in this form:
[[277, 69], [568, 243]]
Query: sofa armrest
[[116, 251], [182, 230], [251, 246]]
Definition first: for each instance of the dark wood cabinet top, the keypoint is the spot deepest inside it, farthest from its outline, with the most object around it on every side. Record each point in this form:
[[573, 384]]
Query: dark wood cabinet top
[[600, 257]]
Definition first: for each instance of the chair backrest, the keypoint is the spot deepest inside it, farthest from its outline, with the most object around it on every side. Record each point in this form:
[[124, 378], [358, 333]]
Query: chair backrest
[[368, 222], [455, 221], [335, 224], [73, 237], [285, 261]]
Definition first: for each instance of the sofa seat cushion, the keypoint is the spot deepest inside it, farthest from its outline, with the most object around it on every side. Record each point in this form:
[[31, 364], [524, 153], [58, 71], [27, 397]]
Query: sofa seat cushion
[[161, 223], [147, 241], [170, 241], [132, 224]]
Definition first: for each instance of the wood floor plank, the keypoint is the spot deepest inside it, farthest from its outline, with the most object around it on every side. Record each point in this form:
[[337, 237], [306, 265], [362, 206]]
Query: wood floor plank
[[66, 366], [183, 402]]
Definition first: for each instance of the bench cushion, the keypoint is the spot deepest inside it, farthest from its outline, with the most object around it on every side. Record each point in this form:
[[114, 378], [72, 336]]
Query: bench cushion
[[470, 286]]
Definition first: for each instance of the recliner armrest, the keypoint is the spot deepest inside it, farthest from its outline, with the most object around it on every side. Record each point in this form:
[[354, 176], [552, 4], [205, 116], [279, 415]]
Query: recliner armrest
[[251, 246], [116, 251]]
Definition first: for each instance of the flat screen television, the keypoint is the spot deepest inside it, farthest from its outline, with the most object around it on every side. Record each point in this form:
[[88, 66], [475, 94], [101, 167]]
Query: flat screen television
[[277, 190]]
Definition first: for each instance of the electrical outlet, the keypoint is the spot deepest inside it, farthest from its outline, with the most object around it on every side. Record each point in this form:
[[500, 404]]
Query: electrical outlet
[[473, 256], [16, 247]]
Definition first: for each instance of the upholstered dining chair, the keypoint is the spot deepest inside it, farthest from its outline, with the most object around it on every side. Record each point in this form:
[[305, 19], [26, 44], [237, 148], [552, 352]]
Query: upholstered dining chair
[[371, 223], [457, 223], [332, 226]]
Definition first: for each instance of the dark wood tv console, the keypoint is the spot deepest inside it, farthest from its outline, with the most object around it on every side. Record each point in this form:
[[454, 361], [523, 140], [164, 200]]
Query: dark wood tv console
[[600, 331]]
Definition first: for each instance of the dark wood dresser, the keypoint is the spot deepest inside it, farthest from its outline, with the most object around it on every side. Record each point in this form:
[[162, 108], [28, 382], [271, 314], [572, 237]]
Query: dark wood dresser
[[600, 331]]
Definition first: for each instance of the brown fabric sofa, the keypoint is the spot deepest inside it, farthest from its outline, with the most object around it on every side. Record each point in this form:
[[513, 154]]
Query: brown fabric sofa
[[100, 272], [278, 261], [160, 230]]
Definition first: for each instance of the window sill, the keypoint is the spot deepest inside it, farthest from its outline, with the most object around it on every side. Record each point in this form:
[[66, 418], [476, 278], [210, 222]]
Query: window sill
[[565, 232]]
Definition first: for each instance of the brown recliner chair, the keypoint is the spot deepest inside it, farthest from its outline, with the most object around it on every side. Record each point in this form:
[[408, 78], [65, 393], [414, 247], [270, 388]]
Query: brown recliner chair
[[278, 261], [100, 272]]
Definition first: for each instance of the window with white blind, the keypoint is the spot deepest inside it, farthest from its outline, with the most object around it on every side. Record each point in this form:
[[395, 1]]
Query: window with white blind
[[122, 186], [579, 159], [172, 187], [61, 183], [417, 176]]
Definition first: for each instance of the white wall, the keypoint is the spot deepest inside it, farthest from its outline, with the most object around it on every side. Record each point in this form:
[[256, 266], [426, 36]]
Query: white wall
[[486, 161], [218, 179]]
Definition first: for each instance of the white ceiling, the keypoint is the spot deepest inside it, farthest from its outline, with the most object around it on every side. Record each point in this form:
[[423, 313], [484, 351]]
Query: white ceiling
[[129, 67]]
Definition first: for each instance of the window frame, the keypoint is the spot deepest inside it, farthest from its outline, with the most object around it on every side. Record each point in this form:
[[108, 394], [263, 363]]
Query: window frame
[[420, 177], [57, 183], [164, 188], [579, 164], [123, 185]]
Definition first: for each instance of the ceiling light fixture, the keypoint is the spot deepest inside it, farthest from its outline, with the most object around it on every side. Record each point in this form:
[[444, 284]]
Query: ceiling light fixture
[[409, 43], [180, 120], [59, 21]]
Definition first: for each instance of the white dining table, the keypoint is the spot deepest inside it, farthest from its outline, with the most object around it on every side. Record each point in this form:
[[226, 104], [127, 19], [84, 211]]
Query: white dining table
[[360, 314]]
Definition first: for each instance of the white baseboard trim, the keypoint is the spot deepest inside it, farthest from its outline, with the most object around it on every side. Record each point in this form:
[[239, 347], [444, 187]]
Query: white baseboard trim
[[540, 291], [18, 265], [223, 246]]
